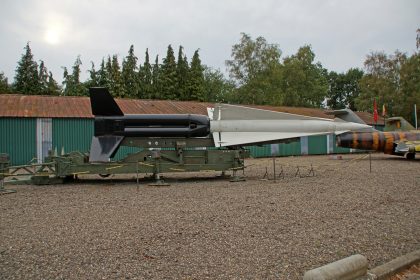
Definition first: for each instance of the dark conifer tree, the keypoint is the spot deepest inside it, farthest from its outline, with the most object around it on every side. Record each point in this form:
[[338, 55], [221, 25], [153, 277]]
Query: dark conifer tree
[[116, 87], [129, 75], [52, 86], [26, 78], [4, 85], [93, 80], [169, 76], [145, 78], [156, 80], [67, 82], [102, 75], [182, 75], [196, 79], [72, 84], [43, 78]]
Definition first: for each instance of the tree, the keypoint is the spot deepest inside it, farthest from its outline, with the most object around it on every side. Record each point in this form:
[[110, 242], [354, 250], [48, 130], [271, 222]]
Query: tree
[[129, 75], [93, 80], [344, 89], [168, 76], [250, 58], [156, 80], [216, 88], [304, 82], [113, 77], [71, 83], [102, 75], [182, 75], [256, 69], [145, 78], [410, 86], [26, 78], [43, 78], [383, 82], [196, 79], [66, 81], [52, 86], [4, 85]]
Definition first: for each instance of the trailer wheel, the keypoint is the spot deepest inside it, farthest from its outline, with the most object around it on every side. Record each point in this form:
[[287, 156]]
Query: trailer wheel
[[410, 156]]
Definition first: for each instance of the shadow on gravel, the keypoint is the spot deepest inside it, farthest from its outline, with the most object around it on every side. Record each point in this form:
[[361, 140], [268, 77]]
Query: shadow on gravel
[[147, 180]]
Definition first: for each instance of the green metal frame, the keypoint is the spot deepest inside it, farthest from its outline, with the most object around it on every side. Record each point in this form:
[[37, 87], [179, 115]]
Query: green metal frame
[[158, 156]]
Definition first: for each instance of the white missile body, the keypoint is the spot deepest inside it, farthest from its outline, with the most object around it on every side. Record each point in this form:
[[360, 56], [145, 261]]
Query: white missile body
[[237, 125]]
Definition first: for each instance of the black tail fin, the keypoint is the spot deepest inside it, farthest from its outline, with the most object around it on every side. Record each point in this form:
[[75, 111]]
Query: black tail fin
[[102, 103]]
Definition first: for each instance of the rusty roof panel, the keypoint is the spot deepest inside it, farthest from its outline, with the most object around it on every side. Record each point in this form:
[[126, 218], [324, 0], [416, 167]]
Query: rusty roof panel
[[17, 105]]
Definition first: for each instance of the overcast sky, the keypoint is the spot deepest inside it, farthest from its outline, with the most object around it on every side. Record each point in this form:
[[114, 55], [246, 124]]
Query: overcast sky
[[341, 33]]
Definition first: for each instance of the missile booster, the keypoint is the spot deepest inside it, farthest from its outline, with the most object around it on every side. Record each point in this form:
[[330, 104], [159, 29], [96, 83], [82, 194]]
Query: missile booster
[[176, 125]]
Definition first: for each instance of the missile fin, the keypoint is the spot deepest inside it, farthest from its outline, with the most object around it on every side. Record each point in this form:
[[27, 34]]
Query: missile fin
[[103, 148], [102, 103], [226, 139], [235, 112], [346, 115]]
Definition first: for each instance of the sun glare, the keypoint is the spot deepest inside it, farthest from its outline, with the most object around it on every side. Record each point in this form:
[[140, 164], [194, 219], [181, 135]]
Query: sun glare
[[52, 36]]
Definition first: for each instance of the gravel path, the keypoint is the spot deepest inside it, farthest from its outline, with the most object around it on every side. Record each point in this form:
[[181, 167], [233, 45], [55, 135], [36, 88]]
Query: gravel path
[[202, 227]]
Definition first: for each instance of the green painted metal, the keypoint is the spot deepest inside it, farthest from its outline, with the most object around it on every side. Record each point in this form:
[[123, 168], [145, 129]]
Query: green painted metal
[[124, 151], [289, 149], [18, 139], [317, 145], [72, 134], [260, 151]]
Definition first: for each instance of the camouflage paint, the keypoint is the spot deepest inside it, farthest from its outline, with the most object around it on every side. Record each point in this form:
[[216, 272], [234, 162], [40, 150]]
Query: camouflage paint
[[378, 141]]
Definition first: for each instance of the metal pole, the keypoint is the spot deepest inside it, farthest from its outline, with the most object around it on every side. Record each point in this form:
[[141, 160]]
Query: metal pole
[[274, 167], [137, 167], [415, 114], [370, 162]]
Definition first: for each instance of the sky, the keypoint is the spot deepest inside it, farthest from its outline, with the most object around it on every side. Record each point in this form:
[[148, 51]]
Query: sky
[[341, 33]]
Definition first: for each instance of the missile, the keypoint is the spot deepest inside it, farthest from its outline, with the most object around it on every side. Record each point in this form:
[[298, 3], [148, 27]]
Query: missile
[[230, 126]]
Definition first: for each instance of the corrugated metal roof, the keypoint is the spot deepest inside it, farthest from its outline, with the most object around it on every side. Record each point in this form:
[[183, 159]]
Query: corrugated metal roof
[[17, 105]]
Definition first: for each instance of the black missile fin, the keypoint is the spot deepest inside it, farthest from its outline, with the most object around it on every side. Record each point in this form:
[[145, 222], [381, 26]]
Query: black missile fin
[[102, 103]]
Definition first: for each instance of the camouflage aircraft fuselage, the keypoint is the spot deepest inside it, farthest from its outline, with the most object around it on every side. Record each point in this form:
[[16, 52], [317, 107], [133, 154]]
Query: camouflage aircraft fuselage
[[385, 142]]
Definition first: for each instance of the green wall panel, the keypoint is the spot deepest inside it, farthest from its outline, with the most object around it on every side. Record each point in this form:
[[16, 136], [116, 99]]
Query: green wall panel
[[18, 139], [317, 145], [72, 134], [289, 149], [260, 151]]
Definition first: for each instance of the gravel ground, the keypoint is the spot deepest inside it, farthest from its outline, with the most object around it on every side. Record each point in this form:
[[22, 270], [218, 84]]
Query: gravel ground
[[203, 227]]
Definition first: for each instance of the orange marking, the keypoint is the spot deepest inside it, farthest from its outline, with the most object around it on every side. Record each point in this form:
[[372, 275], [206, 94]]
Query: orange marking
[[354, 142], [375, 141], [389, 142]]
